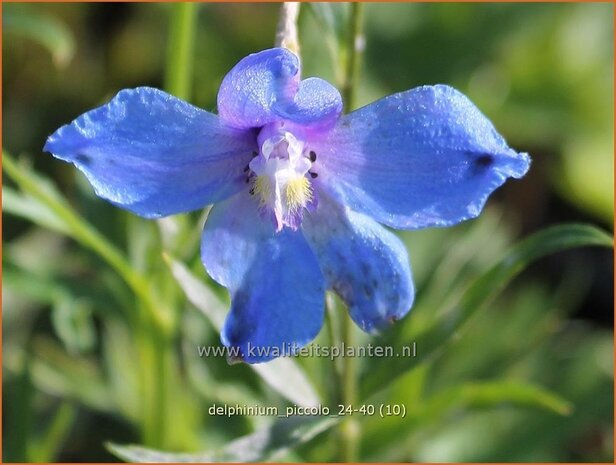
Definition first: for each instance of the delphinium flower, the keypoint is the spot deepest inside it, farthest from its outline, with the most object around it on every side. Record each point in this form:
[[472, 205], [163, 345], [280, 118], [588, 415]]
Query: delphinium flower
[[302, 193]]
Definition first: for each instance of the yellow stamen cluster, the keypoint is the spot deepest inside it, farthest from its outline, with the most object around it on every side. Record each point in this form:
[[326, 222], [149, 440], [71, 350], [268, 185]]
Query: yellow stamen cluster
[[298, 193], [262, 190], [281, 178]]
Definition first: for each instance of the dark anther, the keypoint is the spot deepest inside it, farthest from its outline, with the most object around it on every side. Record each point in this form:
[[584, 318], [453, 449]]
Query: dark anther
[[313, 156], [255, 153], [313, 175], [246, 169], [247, 180], [252, 191]]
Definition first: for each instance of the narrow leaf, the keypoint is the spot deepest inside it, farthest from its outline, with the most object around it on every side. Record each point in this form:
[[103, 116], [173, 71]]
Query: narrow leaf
[[289, 379], [198, 294], [43, 191], [492, 394], [48, 447], [32, 210], [265, 444]]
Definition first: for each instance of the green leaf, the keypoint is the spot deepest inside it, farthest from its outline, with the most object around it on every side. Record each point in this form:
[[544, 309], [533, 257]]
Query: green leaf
[[46, 448], [434, 340], [282, 374], [265, 444], [492, 394], [42, 191], [29, 209], [43, 29], [286, 377], [197, 293]]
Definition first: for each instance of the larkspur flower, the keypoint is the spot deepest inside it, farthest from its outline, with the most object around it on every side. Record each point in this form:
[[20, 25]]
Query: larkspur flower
[[301, 192]]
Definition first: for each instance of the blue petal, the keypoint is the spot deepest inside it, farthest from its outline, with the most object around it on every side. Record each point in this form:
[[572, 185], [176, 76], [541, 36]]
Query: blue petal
[[276, 286], [265, 87], [155, 155], [425, 157], [364, 263], [317, 104]]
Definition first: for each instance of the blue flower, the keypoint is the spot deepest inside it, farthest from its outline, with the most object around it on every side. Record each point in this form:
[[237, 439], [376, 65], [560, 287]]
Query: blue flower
[[301, 192]]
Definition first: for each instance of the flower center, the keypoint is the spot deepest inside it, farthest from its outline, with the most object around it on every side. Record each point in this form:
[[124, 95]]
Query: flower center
[[279, 175]]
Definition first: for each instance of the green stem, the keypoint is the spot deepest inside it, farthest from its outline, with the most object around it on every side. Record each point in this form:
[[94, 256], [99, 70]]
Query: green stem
[[355, 46], [350, 432], [345, 378], [153, 377], [178, 82], [334, 391], [178, 72], [156, 348], [180, 48], [349, 428], [56, 434]]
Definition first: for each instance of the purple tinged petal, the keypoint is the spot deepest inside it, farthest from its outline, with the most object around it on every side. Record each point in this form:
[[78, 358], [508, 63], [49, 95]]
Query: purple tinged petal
[[276, 286], [265, 87], [425, 157], [364, 263], [249, 90], [153, 154], [317, 104]]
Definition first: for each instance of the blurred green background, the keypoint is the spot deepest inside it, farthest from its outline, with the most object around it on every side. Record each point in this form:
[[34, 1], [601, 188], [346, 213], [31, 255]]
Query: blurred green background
[[72, 366]]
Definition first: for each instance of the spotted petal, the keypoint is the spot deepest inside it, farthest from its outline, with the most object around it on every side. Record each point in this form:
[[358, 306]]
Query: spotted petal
[[425, 157], [265, 87], [153, 154], [364, 263], [276, 286]]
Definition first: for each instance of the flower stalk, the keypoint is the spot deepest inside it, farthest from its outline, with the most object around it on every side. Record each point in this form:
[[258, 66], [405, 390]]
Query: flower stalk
[[178, 72], [154, 347], [286, 31], [355, 48], [350, 431]]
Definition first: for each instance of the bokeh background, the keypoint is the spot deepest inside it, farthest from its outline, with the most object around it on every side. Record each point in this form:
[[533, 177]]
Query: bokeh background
[[543, 73]]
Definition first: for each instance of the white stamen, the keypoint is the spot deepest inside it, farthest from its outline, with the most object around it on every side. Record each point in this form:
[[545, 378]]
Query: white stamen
[[281, 184]]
